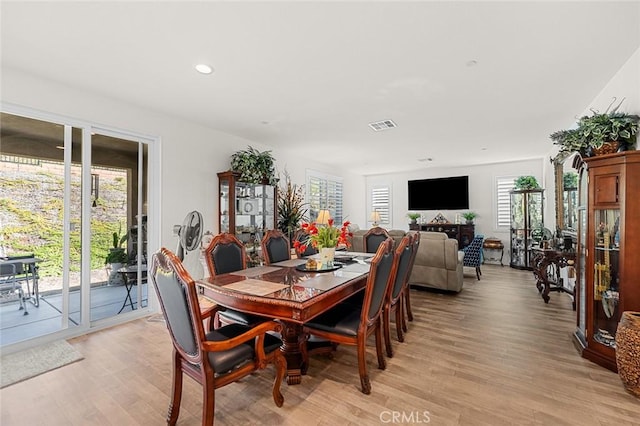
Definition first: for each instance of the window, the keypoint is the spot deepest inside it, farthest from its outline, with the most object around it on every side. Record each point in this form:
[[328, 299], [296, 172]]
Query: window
[[381, 202], [503, 201], [324, 192]]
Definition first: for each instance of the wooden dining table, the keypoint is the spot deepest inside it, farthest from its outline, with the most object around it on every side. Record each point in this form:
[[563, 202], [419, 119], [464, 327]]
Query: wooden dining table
[[287, 292]]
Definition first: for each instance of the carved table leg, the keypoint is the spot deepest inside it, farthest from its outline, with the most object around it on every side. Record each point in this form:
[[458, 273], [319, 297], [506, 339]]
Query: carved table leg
[[291, 342]]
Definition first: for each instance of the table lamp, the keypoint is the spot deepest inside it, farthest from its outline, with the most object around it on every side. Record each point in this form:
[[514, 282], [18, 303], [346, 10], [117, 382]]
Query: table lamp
[[323, 217], [375, 217]]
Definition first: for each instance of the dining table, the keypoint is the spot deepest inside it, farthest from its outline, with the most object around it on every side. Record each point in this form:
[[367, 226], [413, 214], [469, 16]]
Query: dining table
[[290, 293], [26, 270]]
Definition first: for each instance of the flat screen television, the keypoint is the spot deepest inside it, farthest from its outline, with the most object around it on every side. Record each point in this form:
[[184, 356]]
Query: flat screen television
[[449, 193]]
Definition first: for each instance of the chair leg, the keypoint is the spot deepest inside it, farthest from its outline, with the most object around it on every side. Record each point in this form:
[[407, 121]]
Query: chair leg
[[176, 391], [386, 322], [365, 384], [407, 301], [281, 370], [478, 272], [208, 401], [400, 325], [382, 364]]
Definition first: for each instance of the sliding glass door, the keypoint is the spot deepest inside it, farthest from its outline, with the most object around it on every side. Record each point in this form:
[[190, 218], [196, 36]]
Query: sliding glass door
[[73, 214]]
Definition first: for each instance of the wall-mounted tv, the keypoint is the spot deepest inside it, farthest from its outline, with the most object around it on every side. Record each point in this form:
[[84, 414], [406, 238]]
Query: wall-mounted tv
[[449, 193]]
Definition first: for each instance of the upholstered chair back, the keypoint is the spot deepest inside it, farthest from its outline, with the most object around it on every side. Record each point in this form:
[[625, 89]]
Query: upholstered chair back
[[405, 251], [379, 276], [275, 247], [373, 238], [179, 303], [225, 254]]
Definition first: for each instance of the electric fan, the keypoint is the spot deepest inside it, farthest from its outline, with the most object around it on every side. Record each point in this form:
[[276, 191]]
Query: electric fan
[[189, 234]]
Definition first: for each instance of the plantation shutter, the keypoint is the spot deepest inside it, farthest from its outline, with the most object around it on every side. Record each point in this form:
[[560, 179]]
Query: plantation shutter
[[503, 210], [381, 202], [324, 192]]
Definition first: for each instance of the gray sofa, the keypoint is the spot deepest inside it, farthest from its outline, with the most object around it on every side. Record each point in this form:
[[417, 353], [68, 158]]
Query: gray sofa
[[438, 263]]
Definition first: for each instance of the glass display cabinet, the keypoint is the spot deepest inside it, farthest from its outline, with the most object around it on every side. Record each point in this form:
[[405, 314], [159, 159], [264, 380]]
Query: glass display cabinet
[[581, 254], [526, 215], [246, 210], [609, 256]]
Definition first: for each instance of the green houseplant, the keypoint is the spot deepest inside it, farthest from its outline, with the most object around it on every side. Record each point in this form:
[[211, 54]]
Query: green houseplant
[[414, 217], [594, 132], [254, 166], [469, 216], [117, 254], [526, 182]]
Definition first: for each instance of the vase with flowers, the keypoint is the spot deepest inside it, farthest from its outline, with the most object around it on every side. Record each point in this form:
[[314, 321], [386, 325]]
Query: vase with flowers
[[324, 236]]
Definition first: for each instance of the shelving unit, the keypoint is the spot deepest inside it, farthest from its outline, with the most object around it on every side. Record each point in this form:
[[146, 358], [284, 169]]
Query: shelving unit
[[246, 210]]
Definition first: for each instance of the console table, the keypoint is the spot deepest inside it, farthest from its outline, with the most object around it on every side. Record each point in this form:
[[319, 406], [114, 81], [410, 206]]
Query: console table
[[546, 269], [463, 233]]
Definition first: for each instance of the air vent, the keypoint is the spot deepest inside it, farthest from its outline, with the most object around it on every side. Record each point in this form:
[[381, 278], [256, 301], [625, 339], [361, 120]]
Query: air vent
[[382, 125]]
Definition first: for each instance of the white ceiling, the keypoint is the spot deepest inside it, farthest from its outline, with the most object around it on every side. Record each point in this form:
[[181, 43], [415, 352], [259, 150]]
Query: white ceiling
[[304, 75]]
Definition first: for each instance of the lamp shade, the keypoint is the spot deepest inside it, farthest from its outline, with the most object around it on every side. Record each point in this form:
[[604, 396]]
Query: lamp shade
[[375, 217], [323, 217]]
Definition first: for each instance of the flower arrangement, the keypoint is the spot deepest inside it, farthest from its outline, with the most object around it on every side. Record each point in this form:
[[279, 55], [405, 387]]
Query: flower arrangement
[[324, 236]]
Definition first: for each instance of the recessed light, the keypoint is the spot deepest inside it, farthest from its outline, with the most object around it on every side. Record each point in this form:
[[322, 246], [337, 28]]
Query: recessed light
[[425, 159], [472, 63], [204, 69]]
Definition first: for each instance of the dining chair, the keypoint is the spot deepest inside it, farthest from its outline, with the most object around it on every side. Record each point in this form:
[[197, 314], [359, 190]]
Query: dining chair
[[394, 299], [407, 293], [224, 254], [473, 254], [302, 236], [347, 324], [214, 359], [373, 238], [275, 247], [10, 287]]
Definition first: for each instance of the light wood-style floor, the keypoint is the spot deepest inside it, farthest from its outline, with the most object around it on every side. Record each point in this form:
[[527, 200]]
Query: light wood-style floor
[[494, 354]]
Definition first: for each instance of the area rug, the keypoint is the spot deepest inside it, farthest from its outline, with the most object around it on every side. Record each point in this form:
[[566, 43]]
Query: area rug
[[29, 363]]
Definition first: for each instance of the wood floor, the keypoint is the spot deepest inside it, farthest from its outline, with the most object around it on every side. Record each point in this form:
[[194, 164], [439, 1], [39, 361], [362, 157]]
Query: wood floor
[[494, 354]]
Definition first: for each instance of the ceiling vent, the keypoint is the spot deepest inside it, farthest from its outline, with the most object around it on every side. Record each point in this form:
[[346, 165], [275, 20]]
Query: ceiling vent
[[382, 125]]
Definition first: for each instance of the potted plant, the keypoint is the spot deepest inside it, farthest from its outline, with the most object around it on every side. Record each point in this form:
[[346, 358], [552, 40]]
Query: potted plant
[[254, 166], [116, 258], [291, 209], [599, 133], [414, 217], [469, 216], [526, 182]]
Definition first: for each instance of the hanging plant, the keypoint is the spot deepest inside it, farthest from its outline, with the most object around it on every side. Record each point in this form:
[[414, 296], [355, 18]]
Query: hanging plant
[[254, 166], [526, 182]]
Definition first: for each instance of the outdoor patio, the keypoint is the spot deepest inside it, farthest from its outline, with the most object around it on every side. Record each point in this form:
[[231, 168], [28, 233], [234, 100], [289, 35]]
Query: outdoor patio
[[106, 301]]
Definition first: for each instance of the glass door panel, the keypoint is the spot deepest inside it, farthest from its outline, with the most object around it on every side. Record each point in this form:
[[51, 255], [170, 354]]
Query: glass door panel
[[606, 275]]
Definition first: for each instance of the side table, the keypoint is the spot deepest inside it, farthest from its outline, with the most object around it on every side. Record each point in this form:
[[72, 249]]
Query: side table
[[495, 245], [130, 277]]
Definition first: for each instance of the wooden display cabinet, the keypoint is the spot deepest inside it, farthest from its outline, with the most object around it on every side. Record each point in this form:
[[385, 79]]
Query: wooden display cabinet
[[609, 260], [247, 210]]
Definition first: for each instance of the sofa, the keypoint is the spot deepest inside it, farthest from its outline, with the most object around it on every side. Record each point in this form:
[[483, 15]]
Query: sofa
[[438, 263]]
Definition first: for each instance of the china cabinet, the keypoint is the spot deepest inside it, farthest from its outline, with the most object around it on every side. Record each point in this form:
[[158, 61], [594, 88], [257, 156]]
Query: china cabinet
[[246, 210], [526, 215], [611, 236]]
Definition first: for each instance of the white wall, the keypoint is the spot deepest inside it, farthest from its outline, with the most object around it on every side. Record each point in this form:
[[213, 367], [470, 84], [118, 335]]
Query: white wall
[[482, 197], [624, 84], [191, 154]]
